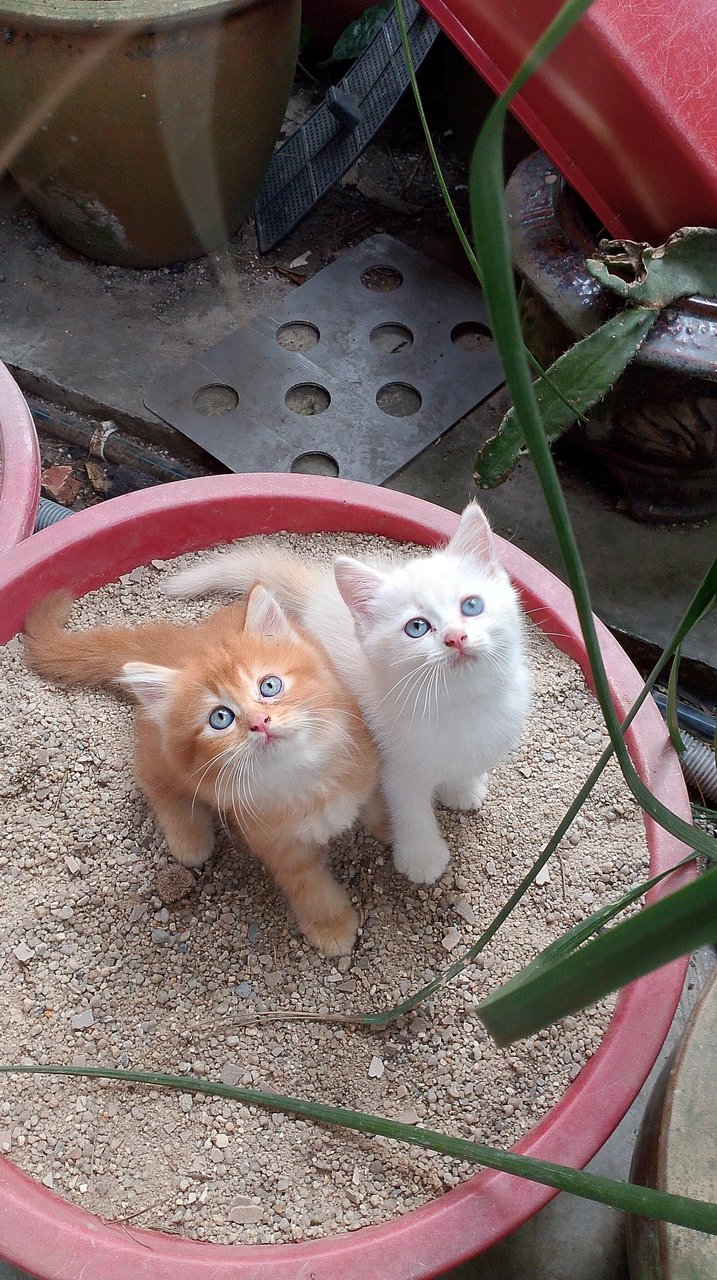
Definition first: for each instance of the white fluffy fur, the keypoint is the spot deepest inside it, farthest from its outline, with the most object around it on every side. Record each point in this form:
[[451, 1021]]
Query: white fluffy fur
[[441, 720]]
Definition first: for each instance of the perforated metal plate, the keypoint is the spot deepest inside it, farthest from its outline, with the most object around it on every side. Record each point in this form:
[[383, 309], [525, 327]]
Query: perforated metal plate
[[388, 327], [320, 152]]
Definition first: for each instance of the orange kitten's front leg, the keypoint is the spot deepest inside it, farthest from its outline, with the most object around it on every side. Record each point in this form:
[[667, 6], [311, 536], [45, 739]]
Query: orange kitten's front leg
[[374, 817], [186, 823], [322, 907]]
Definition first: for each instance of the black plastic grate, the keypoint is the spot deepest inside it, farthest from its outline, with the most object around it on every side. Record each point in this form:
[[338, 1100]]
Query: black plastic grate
[[321, 151]]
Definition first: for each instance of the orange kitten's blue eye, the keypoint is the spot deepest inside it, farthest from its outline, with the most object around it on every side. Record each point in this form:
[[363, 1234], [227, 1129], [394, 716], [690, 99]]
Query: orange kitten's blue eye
[[270, 686], [221, 718], [417, 627], [472, 606]]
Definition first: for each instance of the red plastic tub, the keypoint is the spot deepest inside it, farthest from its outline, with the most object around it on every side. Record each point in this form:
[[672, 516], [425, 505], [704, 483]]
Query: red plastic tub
[[625, 107], [19, 465], [55, 1240]]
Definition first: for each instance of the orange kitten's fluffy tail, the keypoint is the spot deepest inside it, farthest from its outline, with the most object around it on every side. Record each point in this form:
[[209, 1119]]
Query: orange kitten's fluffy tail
[[289, 579], [93, 657]]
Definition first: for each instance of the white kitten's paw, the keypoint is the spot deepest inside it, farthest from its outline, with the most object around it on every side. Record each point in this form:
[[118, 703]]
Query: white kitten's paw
[[423, 863], [469, 796]]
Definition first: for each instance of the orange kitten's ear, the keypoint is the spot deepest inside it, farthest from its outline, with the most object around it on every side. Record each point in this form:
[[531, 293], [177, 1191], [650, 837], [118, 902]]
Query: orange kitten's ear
[[358, 585], [474, 537], [264, 615], [149, 684]]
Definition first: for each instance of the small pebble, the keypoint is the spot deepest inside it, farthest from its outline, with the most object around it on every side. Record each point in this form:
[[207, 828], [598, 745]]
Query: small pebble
[[245, 1214], [174, 882], [82, 1020]]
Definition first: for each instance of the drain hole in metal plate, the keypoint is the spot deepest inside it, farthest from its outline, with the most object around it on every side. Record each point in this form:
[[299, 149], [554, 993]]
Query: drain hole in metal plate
[[381, 279], [390, 338], [297, 335], [471, 336], [315, 464], [307, 398], [398, 399], [215, 399]]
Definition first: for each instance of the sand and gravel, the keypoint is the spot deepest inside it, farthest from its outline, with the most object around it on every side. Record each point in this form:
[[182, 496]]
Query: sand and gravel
[[96, 968]]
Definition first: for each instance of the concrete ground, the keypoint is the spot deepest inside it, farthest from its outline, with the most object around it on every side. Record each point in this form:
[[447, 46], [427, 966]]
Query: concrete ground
[[91, 339]]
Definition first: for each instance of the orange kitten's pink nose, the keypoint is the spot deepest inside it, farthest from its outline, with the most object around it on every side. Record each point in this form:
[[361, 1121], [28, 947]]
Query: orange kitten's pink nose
[[454, 638], [260, 724]]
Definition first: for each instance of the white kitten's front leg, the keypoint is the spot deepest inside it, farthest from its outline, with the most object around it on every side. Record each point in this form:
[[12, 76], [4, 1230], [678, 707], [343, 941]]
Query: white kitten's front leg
[[419, 850], [463, 795]]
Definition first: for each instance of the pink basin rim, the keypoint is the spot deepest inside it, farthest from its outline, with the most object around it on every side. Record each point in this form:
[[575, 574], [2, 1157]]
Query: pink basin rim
[[20, 470], [54, 1239]]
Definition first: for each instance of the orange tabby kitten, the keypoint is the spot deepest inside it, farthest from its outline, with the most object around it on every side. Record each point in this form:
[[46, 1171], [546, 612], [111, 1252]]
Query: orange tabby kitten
[[244, 717]]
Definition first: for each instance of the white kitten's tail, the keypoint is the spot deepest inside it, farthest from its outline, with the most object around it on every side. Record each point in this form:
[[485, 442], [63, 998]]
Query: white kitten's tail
[[289, 578]]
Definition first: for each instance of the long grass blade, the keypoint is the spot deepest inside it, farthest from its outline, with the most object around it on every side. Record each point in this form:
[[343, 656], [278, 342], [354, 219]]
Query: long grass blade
[[672, 720], [452, 211], [490, 234], [629, 1197]]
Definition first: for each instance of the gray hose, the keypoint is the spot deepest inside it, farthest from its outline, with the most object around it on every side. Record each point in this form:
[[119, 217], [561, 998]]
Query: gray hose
[[699, 764], [49, 513]]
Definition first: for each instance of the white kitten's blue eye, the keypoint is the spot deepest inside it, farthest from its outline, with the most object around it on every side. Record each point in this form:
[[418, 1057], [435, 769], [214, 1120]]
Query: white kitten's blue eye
[[417, 627], [221, 718], [472, 606], [270, 686]]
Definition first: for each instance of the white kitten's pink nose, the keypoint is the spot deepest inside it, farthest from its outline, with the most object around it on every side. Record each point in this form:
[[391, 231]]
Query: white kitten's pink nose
[[454, 638], [260, 724]]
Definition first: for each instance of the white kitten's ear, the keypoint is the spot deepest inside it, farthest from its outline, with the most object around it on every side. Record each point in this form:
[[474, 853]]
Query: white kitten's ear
[[358, 585], [264, 615], [474, 536], [149, 684]]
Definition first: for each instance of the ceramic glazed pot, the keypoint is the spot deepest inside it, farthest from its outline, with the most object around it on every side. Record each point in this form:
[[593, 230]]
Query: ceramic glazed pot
[[51, 1238], [141, 129], [19, 465]]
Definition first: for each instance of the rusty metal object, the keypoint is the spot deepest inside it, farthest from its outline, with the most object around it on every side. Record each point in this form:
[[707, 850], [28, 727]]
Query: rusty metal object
[[675, 1152], [140, 130], [656, 431]]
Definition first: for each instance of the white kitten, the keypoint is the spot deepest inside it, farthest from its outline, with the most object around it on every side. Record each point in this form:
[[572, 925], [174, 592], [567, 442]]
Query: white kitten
[[431, 647]]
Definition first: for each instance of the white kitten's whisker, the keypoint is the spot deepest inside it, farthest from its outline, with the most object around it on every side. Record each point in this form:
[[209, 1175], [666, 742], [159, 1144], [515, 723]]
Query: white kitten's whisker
[[405, 694], [397, 685], [422, 691], [329, 729]]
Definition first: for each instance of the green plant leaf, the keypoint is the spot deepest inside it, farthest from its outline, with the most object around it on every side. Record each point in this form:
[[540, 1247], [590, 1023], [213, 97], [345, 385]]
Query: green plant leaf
[[584, 373], [672, 722], [629, 1197], [357, 36], [452, 211], [490, 233], [555, 985], [684, 265]]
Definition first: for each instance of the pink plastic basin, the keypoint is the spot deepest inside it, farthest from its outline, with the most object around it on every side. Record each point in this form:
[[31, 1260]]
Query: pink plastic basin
[[57, 1241], [19, 465], [625, 107]]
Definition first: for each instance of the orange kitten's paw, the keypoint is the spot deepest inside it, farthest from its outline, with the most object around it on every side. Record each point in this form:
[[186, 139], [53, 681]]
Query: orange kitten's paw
[[334, 937]]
